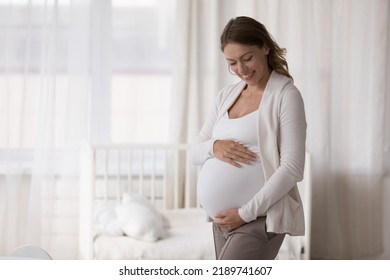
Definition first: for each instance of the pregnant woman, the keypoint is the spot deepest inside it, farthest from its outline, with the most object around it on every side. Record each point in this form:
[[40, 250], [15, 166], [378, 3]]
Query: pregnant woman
[[252, 148]]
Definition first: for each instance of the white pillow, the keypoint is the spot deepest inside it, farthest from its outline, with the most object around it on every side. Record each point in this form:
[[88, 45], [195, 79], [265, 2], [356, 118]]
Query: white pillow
[[139, 219], [105, 220], [139, 199]]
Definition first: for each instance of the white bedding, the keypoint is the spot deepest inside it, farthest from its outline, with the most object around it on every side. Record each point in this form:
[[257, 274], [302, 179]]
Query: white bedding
[[189, 236]]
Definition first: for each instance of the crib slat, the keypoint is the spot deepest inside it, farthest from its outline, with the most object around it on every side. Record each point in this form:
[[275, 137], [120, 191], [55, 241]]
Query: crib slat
[[187, 193], [105, 193], [165, 180], [141, 173], [130, 172], [153, 178], [118, 179], [93, 173], [176, 180]]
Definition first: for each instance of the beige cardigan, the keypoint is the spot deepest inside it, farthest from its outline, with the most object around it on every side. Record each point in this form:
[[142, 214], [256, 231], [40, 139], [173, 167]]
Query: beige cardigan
[[281, 131]]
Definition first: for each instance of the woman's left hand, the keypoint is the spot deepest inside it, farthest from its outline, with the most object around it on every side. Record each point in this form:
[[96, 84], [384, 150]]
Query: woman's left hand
[[229, 219]]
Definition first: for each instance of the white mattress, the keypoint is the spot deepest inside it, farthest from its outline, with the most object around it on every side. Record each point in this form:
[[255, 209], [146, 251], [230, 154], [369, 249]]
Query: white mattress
[[189, 237]]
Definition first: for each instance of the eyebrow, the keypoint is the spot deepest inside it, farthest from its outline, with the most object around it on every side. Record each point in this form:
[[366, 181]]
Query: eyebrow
[[250, 52]]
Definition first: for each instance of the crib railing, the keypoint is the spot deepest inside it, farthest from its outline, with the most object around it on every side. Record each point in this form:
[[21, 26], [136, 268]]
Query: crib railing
[[162, 173]]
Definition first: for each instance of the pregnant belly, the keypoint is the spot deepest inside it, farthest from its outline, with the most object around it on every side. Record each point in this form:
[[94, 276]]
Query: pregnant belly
[[222, 186]]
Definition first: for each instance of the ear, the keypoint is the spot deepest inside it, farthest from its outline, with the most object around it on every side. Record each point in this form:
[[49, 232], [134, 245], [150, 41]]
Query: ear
[[266, 50]]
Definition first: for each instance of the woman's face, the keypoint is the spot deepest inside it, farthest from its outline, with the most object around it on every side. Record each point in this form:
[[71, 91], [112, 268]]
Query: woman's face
[[249, 63]]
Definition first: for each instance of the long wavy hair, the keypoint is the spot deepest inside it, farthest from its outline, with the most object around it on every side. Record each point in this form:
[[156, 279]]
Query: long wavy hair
[[248, 31]]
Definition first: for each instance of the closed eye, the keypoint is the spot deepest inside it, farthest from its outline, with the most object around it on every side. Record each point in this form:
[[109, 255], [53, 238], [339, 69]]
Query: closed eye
[[244, 59]]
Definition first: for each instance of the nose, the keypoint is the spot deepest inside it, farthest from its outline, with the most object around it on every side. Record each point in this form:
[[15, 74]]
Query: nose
[[241, 68]]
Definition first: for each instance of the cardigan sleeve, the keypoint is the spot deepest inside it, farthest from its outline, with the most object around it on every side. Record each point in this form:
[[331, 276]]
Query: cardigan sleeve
[[203, 144], [291, 144]]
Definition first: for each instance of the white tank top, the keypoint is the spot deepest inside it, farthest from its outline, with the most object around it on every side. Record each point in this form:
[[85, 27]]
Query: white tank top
[[221, 185]]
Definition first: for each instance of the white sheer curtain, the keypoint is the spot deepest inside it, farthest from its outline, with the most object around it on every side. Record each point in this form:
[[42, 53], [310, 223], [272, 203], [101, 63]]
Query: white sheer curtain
[[46, 80], [197, 75], [346, 61], [72, 70], [338, 56]]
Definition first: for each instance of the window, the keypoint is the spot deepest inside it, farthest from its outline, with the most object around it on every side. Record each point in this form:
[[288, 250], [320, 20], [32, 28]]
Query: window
[[142, 63]]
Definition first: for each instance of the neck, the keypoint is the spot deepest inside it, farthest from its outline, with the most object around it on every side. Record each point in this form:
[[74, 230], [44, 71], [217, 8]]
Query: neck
[[262, 83]]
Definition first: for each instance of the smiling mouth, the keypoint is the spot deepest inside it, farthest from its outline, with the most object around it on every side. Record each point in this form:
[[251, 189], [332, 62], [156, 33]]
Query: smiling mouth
[[249, 76]]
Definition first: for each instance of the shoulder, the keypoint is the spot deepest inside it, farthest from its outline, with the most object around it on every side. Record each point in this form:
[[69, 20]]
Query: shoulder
[[284, 87], [280, 83]]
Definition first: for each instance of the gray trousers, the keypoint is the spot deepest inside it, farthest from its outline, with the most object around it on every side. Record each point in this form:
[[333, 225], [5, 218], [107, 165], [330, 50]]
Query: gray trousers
[[249, 242]]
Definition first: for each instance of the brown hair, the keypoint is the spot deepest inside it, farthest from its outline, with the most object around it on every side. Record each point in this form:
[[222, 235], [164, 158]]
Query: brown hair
[[247, 31]]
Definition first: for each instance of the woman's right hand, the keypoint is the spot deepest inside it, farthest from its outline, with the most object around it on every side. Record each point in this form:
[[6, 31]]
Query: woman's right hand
[[233, 152]]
